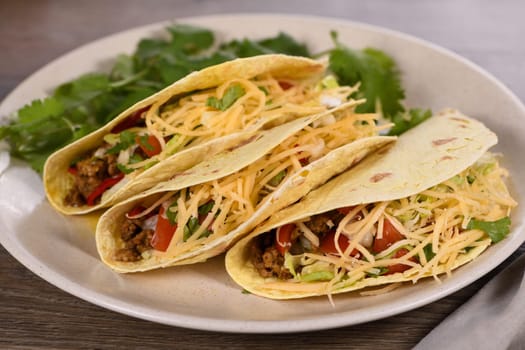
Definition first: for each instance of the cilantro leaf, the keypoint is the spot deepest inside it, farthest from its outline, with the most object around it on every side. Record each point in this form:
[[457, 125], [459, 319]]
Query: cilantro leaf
[[127, 139], [497, 230], [282, 43], [407, 120], [377, 73], [190, 39], [39, 109], [232, 94]]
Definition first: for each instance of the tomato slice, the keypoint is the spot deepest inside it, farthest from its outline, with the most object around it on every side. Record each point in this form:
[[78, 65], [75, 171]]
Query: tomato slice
[[100, 189], [345, 210], [135, 211], [149, 144], [390, 236], [163, 232], [327, 245], [132, 120], [399, 267], [283, 238], [285, 85]]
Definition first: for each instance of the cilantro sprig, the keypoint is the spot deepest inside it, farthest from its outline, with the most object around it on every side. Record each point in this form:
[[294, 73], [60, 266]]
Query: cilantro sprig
[[80, 106]]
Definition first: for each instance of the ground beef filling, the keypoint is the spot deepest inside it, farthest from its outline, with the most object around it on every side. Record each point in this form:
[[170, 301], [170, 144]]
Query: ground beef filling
[[267, 259], [136, 241], [91, 171]]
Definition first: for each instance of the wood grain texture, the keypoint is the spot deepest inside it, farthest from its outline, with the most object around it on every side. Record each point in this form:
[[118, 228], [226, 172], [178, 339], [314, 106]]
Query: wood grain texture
[[37, 315]]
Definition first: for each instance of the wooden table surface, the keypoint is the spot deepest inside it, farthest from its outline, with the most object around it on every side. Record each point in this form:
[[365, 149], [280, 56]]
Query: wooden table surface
[[35, 314]]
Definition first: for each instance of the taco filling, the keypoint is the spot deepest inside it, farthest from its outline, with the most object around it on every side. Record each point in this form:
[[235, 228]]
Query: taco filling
[[166, 127], [179, 221], [417, 236]]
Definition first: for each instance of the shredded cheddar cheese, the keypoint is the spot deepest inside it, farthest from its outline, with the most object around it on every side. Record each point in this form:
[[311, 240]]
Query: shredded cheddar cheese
[[237, 197], [432, 224], [191, 120]]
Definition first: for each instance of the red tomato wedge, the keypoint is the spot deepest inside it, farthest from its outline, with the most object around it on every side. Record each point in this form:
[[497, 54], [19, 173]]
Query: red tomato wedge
[[345, 210], [100, 189], [149, 144], [283, 238], [163, 232], [399, 267], [390, 236], [135, 211], [327, 245]]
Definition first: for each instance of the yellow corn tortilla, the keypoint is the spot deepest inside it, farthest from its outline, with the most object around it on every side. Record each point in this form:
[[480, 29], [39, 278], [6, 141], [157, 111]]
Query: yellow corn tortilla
[[423, 157], [57, 181], [291, 190]]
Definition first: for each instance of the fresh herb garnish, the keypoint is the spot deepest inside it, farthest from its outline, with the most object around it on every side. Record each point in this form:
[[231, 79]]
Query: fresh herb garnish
[[377, 73], [404, 121], [135, 158], [127, 139], [85, 104], [282, 43], [497, 230], [232, 94]]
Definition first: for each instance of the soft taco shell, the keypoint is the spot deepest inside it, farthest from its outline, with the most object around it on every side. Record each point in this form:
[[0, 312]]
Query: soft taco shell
[[223, 164], [423, 157], [57, 181]]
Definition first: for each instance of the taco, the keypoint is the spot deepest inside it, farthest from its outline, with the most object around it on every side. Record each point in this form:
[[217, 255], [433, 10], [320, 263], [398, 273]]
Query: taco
[[181, 125], [203, 210], [428, 204]]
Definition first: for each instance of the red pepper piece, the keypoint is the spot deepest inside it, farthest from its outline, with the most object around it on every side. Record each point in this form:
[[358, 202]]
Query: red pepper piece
[[129, 122], [100, 189], [72, 170]]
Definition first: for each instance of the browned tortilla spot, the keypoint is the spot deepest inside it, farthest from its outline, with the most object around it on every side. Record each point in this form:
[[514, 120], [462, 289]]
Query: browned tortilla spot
[[447, 158], [181, 174], [244, 143], [379, 177], [443, 141], [460, 120]]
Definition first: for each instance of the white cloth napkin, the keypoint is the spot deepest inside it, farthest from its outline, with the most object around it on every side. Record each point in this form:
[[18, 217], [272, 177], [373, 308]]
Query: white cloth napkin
[[494, 318]]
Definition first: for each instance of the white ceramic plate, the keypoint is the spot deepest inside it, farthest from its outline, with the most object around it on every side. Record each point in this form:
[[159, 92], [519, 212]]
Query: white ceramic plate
[[62, 250]]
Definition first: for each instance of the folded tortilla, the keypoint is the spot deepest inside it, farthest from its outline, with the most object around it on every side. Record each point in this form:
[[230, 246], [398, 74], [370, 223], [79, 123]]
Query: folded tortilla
[[212, 204], [401, 214], [178, 127]]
